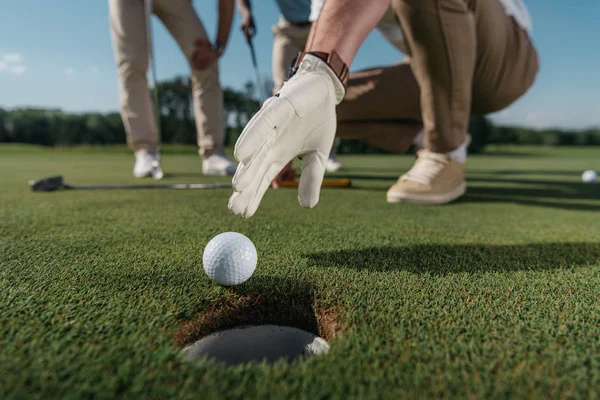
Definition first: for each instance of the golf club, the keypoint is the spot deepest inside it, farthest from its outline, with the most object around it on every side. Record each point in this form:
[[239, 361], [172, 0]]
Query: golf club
[[157, 172], [256, 71], [54, 183]]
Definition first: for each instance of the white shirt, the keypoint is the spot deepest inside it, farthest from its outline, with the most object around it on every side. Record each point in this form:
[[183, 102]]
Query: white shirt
[[517, 10], [315, 9]]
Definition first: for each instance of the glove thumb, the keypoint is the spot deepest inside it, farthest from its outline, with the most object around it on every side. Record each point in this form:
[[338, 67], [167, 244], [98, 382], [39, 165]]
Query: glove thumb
[[313, 170]]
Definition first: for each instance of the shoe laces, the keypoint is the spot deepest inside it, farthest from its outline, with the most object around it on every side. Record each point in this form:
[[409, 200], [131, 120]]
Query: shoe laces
[[427, 167]]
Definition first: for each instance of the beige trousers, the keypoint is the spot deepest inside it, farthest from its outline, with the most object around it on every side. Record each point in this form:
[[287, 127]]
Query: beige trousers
[[467, 57], [288, 41], [128, 34]]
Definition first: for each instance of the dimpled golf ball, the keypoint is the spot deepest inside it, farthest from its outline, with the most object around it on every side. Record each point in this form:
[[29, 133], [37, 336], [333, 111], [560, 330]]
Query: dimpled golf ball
[[229, 258], [589, 176]]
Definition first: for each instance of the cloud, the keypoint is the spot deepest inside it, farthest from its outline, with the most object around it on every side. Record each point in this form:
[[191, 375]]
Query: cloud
[[11, 58], [11, 63], [19, 69], [69, 71]]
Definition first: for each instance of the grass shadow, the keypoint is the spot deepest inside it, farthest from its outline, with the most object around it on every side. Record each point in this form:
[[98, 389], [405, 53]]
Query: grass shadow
[[446, 259], [508, 154], [184, 175], [543, 193], [525, 172]]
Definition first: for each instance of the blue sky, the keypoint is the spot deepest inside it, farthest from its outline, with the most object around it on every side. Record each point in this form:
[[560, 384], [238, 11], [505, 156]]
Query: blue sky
[[58, 54]]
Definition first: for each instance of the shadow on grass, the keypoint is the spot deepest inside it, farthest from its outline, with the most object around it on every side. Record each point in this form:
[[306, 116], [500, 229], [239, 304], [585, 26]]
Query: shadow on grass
[[368, 177], [448, 259], [509, 154], [545, 193], [524, 172], [560, 194], [184, 175], [263, 301]]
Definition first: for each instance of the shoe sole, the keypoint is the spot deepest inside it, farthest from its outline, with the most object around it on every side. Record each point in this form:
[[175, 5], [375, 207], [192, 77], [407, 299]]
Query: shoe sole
[[144, 175], [408, 198], [154, 173]]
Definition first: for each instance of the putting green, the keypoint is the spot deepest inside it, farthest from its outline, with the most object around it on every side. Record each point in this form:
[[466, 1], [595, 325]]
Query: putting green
[[495, 296]]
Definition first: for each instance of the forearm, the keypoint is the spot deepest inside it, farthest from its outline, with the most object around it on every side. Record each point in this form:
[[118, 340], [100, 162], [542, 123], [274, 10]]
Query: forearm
[[343, 26], [226, 8], [243, 6]]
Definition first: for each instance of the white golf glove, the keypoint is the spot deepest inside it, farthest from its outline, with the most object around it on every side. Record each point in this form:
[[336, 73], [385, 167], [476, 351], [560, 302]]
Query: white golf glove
[[299, 121]]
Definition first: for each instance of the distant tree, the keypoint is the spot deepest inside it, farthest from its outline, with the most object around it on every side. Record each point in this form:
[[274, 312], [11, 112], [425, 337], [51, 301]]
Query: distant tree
[[480, 129]]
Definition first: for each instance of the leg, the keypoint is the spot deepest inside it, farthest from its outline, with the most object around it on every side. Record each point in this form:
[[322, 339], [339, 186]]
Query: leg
[[128, 34], [507, 62], [392, 136], [181, 20], [381, 108], [288, 41], [382, 93], [441, 36], [464, 53]]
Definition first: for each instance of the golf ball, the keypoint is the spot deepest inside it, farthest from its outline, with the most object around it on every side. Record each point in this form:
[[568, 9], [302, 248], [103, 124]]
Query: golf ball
[[589, 176], [229, 258]]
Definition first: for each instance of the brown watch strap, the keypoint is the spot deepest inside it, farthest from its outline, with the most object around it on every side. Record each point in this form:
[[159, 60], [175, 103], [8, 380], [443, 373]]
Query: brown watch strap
[[332, 59]]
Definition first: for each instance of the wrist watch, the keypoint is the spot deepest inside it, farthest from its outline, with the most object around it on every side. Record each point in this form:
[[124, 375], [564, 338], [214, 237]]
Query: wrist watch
[[332, 59], [219, 49]]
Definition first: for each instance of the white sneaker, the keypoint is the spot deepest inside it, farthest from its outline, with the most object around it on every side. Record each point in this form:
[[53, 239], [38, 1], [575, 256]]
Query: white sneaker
[[333, 165], [218, 165], [147, 164]]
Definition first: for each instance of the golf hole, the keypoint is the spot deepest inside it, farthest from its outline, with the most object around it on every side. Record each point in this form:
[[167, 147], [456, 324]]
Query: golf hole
[[281, 323], [254, 344]]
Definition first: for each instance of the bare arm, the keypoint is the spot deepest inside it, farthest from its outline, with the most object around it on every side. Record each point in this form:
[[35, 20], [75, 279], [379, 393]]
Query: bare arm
[[243, 6], [226, 8], [343, 26]]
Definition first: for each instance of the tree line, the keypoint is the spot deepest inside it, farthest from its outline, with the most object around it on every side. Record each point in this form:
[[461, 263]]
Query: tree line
[[53, 127]]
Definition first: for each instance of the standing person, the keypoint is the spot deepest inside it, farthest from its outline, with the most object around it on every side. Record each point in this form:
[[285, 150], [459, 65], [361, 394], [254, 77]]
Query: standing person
[[290, 36], [466, 57], [128, 26]]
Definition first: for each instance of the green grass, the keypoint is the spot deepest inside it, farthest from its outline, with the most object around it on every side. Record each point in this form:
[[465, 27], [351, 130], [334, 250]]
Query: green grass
[[494, 296]]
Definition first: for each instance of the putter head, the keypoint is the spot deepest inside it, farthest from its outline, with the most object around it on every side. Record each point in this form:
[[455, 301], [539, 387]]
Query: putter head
[[47, 184]]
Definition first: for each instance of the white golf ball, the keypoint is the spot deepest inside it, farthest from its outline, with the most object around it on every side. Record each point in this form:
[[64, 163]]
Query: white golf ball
[[229, 258], [589, 176]]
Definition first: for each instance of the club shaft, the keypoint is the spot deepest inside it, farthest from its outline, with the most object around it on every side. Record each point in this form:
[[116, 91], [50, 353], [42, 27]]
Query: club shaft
[[166, 186], [261, 87]]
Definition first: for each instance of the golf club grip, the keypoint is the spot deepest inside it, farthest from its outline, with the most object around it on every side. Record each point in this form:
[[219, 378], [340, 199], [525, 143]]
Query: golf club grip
[[327, 183]]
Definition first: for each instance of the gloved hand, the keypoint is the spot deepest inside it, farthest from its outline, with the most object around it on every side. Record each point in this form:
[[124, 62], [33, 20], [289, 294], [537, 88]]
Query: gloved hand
[[298, 121]]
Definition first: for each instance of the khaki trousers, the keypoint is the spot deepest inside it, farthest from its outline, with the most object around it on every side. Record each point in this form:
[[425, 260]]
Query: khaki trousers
[[128, 34], [288, 41], [466, 57]]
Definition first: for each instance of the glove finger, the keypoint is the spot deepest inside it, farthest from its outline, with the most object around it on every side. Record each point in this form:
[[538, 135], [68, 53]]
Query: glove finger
[[262, 189], [274, 113], [313, 171], [239, 201], [254, 166], [245, 203]]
